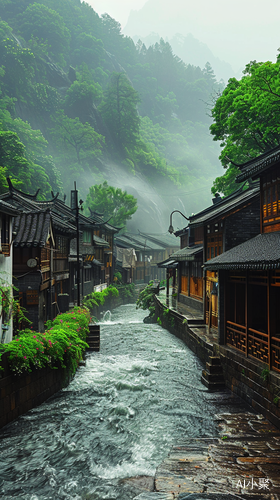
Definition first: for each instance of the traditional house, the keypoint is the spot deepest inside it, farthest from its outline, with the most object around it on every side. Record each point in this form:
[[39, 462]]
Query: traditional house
[[143, 253], [62, 265], [33, 265], [225, 224], [7, 212], [249, 274]]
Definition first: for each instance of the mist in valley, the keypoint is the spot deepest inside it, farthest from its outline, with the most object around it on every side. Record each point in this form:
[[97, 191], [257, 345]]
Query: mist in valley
[[167, 63]]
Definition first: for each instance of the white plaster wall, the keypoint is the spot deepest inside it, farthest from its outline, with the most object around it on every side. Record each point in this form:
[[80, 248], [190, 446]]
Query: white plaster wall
[[6, 276]]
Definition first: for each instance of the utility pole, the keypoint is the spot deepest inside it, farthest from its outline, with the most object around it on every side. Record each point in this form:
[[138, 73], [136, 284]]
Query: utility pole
[[75, 207]]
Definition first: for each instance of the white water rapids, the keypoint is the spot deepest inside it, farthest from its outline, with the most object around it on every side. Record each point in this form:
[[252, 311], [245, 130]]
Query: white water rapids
[[117, 419]]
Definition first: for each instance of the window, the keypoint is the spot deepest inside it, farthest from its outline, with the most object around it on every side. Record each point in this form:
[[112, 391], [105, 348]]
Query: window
[[61, 247], [271, 201], [214, 245], [87, 273], [87, 237], [5, 234]]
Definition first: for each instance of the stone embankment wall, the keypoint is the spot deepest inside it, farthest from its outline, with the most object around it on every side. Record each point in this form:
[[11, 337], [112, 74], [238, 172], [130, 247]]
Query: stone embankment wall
[[20, 393], [176, 324], [245, 377], [253, 382]]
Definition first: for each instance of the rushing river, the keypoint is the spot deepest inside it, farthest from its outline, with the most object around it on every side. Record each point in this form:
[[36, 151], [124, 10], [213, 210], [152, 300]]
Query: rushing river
[[117, 419]]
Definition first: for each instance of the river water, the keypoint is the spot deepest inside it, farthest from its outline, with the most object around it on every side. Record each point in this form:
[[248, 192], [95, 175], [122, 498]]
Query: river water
[[117, 419]]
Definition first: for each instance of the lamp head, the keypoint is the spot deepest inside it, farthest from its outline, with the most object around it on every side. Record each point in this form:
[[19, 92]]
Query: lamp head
[[171, 229]]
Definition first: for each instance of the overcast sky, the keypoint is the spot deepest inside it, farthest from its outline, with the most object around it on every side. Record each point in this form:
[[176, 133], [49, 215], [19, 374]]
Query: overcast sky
[[236, 32], [118, 9]]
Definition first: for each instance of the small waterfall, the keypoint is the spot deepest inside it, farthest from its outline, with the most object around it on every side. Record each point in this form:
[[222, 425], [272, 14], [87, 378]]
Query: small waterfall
[[107, 316]]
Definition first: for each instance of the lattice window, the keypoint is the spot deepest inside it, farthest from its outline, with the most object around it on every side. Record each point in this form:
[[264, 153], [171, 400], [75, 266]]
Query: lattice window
[[32, 297], [214, 245], [61, 248], [271, 201]]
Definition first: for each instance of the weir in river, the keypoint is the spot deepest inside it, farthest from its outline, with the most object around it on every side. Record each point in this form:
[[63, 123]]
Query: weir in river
[[116, 420]]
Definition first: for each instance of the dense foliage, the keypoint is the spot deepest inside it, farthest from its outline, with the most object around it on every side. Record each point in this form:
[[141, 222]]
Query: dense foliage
[[77, 94], [146, 301], [62, 344], [246, 119], [112, 202], [93, 300]]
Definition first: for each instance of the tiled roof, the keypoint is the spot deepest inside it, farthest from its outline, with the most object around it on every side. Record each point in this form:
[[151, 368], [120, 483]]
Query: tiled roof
[[64, 218], [234, 200], [255, 166], [168, 263], [125, 242], [100, 242], [138, 242], [32, 229], [164, 239], [261, 252], [187, 253], [7, 208]]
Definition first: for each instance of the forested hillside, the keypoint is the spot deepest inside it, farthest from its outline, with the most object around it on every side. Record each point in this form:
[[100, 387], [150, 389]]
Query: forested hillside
[[80, 101]]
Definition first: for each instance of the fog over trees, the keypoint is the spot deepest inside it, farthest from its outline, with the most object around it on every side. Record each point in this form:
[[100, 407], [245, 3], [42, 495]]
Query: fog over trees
[[82, 101]]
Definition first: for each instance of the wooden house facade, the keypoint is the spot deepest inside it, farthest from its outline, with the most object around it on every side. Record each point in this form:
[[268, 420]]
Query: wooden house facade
[[146, 252], [225, 224], [249, 274], [33, 269], [46, 264]]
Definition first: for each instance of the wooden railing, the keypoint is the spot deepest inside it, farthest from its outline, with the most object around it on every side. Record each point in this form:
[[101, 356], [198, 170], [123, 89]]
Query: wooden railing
[[255, 344], [236, 336], [258, 345], [275, 353]]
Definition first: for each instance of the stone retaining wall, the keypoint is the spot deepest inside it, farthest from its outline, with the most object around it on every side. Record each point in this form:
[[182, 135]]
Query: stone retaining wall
[[20, 393], [176, 324], [244, 376]]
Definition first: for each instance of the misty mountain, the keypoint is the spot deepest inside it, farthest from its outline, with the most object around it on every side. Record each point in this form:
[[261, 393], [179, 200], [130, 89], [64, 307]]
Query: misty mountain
[[82, 102], [237, 32], [192, 51]]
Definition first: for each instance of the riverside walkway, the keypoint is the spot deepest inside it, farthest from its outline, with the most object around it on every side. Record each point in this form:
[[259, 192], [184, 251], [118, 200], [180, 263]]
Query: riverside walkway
[[243, 462]]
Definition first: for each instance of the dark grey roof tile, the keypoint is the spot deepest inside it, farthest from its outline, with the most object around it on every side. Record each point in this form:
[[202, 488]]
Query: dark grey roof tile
[[261, 252]]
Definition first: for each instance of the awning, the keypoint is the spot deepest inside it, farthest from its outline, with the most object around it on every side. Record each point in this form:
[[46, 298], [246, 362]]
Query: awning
[[168, 264], [187, 253], [99, 242], [96, 262], [73, 258]]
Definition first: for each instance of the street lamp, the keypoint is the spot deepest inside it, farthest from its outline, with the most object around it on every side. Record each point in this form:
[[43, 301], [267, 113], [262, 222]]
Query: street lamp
[[171, 228]]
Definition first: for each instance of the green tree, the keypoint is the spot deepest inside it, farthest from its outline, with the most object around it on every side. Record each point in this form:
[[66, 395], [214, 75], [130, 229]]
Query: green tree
[[119, 111], [26, 174], [246, 117], [80, 97], [38, 22], [77, 137], [112, 202], [18, 65]]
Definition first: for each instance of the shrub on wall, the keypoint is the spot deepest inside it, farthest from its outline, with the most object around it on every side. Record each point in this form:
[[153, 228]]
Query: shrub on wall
[[95, 299], [62, 344]]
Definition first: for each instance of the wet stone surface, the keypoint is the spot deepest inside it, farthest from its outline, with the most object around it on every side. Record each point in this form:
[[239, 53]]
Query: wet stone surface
[[243, 462]]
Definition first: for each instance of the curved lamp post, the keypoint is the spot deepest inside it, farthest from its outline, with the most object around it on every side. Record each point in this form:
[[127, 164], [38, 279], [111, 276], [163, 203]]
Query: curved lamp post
[[171, 228]]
